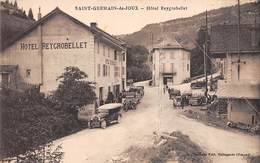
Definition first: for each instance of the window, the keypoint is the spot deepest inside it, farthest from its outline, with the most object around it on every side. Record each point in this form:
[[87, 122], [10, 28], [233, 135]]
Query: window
[[123, 56], [104, 70], [108, 52], [97, 46], [116, 71], [188, 67], [28, 73], [123, 70], [104, 50], [163, 67], [108, 69], [99, 70], [253, 37], [115, 55], [5, 79]]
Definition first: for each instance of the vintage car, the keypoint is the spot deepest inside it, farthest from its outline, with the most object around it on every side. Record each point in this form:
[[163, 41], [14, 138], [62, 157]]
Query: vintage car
[[173, 92], [198, 85], [139, 91], [130, 101], [129, 104], [177, 101], [106, 115], [196, 100]]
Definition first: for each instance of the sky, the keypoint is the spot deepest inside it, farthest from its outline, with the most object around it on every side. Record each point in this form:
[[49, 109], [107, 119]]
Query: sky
[[128, 21]]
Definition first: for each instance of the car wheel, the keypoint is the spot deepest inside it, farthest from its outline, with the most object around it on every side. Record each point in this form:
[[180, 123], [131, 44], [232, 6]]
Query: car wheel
[[103, 124], [90, 125], [119, 118]]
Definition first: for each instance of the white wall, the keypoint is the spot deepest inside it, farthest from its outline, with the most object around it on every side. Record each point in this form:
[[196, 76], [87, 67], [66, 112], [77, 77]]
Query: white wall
[[61, 29], [180, 60]]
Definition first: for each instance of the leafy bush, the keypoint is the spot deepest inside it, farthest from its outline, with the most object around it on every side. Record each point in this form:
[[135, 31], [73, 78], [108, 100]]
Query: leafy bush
[[74, 90], [139, 73], [29, 120]]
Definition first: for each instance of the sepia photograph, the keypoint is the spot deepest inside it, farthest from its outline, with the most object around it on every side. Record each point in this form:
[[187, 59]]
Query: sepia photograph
[[129, 81]]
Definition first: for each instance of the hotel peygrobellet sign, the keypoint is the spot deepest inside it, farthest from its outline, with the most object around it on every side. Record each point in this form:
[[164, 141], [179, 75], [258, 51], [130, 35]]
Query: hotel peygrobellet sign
[[54, 45]]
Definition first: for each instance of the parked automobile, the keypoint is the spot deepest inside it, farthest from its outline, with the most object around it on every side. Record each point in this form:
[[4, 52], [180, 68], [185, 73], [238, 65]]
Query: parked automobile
[[176, 101], [106, 115], [255, 129], [130, 101], [173, 92], [129, 104], [196, 100], [198, 85], [138, 90], [239, 125], [141, 89]]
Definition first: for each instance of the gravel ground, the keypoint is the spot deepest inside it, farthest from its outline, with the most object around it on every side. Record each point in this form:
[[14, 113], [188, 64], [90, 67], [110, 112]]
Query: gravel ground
[[155, 113]]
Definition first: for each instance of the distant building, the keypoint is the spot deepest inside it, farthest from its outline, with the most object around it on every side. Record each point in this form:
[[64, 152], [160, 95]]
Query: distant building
[[40, 54], [241, 84], [171, 64]]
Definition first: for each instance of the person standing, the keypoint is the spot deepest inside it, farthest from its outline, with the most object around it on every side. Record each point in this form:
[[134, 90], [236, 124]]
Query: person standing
[[182, 102]]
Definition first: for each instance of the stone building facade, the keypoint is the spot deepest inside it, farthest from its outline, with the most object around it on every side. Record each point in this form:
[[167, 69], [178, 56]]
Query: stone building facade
[[171, 64], [57, 41], [241, 84]]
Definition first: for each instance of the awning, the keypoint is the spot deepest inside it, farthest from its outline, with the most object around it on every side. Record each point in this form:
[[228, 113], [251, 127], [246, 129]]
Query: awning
[[169, 74], [8, 68]]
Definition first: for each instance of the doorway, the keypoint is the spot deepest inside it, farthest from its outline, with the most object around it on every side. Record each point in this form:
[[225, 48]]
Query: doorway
[[167, 80], [253, 119], [101, 101], [5, 79]]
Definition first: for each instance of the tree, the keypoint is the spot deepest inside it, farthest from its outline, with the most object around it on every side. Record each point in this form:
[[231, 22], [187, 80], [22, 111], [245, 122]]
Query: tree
[[197, 55], [15, 4], [139, 73], [136, 55], [24, 15], [30, 14], [137, 68], [74, 90]]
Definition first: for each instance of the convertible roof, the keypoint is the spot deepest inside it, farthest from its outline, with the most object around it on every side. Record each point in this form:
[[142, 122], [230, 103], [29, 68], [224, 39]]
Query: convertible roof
[[110, 106]]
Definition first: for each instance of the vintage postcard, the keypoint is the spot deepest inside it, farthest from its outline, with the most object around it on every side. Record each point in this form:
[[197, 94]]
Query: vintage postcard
[[129, 81]]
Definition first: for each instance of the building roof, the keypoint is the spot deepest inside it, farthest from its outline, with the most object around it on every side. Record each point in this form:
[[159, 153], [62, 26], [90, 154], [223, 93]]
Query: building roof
[[238, 90], [100, 34], [169, 44], [224, 38]]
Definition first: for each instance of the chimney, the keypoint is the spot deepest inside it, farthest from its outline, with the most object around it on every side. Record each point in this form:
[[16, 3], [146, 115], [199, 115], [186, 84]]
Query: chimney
[[39, 14], [93, 24]]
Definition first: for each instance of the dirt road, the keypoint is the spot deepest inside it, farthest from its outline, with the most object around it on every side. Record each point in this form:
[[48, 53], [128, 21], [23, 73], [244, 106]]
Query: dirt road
[[154, 113]]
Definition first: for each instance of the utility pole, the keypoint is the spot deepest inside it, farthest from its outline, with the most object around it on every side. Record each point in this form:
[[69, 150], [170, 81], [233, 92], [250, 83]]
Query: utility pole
[[238, 42], [205, 58]]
